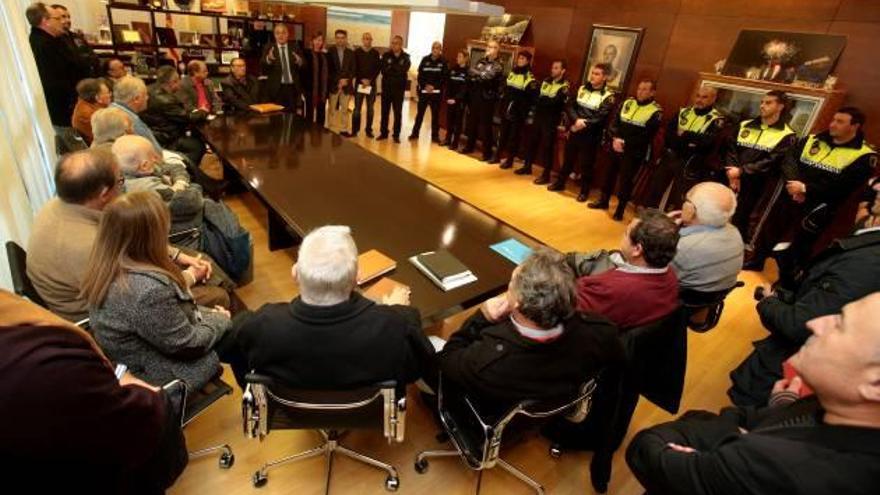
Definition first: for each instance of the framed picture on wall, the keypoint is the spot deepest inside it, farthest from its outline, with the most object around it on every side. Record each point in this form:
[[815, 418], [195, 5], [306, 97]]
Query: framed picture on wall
[[617, 46], [806, 58]]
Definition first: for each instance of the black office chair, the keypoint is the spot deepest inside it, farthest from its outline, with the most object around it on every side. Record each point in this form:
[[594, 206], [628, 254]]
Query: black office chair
[[477, 440], [196, 403], [21, 284], [268, 405], [703, 309]]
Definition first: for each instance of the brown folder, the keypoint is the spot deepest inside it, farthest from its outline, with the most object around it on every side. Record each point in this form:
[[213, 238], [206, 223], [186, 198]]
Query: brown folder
[[384, 287], [266, 107], [373, 264]]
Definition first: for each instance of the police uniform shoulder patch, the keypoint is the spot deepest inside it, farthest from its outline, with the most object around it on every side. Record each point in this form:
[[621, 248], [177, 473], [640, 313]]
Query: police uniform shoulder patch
[[627, 105], [744, 134], [814, 149], [872, 162]]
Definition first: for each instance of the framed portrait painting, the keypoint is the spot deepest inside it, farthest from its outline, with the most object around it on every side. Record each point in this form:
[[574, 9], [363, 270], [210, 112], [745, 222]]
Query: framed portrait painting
[[617, 46]]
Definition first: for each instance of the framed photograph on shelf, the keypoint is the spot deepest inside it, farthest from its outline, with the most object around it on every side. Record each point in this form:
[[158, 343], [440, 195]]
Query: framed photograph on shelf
[[507, 29], [744, 102], [788, 58], [188, 38], [131, 36], [165, 36], [144, 29], [214, 6], [617, 46]]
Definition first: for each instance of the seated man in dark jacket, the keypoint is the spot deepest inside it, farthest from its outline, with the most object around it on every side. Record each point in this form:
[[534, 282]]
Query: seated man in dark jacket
[[845, 271], [168, 117], [240, 90], [529, 343], [819, 445], [331, 337]]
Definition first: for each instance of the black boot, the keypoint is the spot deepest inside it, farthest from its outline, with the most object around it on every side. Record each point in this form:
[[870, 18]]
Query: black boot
[[507, 163], [583, 196], [618, 212], [601, 204], [559, 185], [525, 170], [544, 178]]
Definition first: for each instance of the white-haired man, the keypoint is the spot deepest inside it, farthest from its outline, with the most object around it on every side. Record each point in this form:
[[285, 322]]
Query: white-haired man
[[827, 443], [710, 249], [331, 337], [130, 95]]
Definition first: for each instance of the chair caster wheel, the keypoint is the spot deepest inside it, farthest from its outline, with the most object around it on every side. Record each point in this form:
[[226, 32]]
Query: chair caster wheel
[[421, 466], [227, 459], [259, 480], [392, 483], [555, 451]]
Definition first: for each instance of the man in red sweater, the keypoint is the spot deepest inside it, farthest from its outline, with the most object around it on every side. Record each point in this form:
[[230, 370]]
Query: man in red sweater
[[633, 286]]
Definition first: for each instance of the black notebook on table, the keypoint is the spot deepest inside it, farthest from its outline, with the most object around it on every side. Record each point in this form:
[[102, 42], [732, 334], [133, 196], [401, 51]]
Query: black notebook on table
[[443, 269]]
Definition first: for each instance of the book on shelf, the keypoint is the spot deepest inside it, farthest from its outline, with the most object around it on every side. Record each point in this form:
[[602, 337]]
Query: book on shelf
[[373, 264], [382, 289], [444, 269]]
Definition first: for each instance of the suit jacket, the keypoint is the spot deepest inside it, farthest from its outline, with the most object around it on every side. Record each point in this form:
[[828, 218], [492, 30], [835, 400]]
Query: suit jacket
[[60, 68], [240, 95], [341, 69], [272, 68], [169, 115], [315, 73], [498, 367], [787, 450], [351, 344], [190, 98]]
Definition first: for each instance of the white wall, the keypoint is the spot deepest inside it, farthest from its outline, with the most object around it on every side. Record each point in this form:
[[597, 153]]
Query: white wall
[[424, 29]]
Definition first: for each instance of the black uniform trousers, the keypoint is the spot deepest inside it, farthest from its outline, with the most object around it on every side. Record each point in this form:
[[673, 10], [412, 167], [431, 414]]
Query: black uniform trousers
[[509, 137], [425, 101], [759, 216], [581, 148], [479, 125], [805, 223], [316, 111], [542, 134], [626, 165], [391, 101], [678, 176], [359, 99], [288, 96], [455, 122]]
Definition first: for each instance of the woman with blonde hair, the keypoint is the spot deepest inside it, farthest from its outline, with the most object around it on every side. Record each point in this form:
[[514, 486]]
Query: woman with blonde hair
[[142, 312]]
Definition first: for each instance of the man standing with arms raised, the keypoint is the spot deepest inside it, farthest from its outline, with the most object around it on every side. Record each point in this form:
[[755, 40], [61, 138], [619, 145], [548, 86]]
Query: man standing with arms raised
[[280, 63]]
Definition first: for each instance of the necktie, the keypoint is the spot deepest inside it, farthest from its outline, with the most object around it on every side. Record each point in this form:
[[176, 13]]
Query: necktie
[[285, 68]]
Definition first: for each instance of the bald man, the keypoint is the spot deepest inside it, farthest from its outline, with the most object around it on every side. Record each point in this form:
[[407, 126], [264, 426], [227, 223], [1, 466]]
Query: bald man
[[823, 444], [691, 138], [710, 249]]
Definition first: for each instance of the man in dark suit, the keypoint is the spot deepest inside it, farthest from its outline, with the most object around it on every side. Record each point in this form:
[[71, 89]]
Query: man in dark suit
[[331, 337], [342, 72], [529, 343], [280, 63], [59, 67], [829, 443], [240, 90], [197, 90]]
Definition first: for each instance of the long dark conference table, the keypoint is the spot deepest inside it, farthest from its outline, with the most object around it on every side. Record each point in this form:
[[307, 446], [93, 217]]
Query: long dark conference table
[[308, 177]]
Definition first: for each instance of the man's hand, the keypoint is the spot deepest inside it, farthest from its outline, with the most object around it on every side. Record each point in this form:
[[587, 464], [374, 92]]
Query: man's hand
[[365, 83], [270, 57], [496, 308], [450, 102], [794, 385], [617, 145], [797, 190], [578, 125], [399, 295], [768, 290], [200, 269], [733, 175], [129, 379], [223, 311], [429, 88], [675, 216], [684, 449]]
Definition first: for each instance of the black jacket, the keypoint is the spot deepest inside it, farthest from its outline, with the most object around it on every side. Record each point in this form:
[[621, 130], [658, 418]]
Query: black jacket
[[637, 139], [167, 117], [516, 102], [315, 64], [486, 79], [341, 69], [549, 107], [498, 367], [824, 186], [693, 144], [366, 64], [351, 344], [754, 161], [60, 68], [432, 72], [394, 71], [272, 68], [239, 95], [787, 450], [596, 118], [457, 84]]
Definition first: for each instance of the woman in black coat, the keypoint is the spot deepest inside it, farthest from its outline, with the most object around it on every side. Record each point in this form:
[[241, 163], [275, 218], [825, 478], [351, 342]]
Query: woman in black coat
[[314, 78]]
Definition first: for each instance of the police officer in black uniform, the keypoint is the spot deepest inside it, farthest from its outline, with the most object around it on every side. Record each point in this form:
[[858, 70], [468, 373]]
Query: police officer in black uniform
[[456, 99], [518, 96], [587, 115], [551, 101], [432, 76], [631, 130], [690, 140], [395, 66], [821, 172], [485, 80], [753, 162]]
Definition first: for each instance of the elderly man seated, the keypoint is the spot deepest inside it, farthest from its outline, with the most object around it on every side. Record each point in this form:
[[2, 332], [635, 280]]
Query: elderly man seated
[[170, 119], [710, 249], [331, 337], [65, 230], [197, 90], [529, 343], [823, 444], [635, 285]]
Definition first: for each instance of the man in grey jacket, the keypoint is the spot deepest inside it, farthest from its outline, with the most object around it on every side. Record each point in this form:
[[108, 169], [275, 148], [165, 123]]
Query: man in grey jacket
[[710, 249]]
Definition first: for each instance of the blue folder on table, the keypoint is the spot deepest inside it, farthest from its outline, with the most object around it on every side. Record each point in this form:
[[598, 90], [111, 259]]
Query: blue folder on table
[[513, 250]]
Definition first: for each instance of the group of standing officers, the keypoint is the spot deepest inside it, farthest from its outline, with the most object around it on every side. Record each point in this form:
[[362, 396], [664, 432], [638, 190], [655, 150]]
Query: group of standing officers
[[787, 187]]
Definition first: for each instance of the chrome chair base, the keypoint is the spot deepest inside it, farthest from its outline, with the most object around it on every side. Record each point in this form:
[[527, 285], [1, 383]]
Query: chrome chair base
[[227, 458], [328, 448], [421, 467]]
